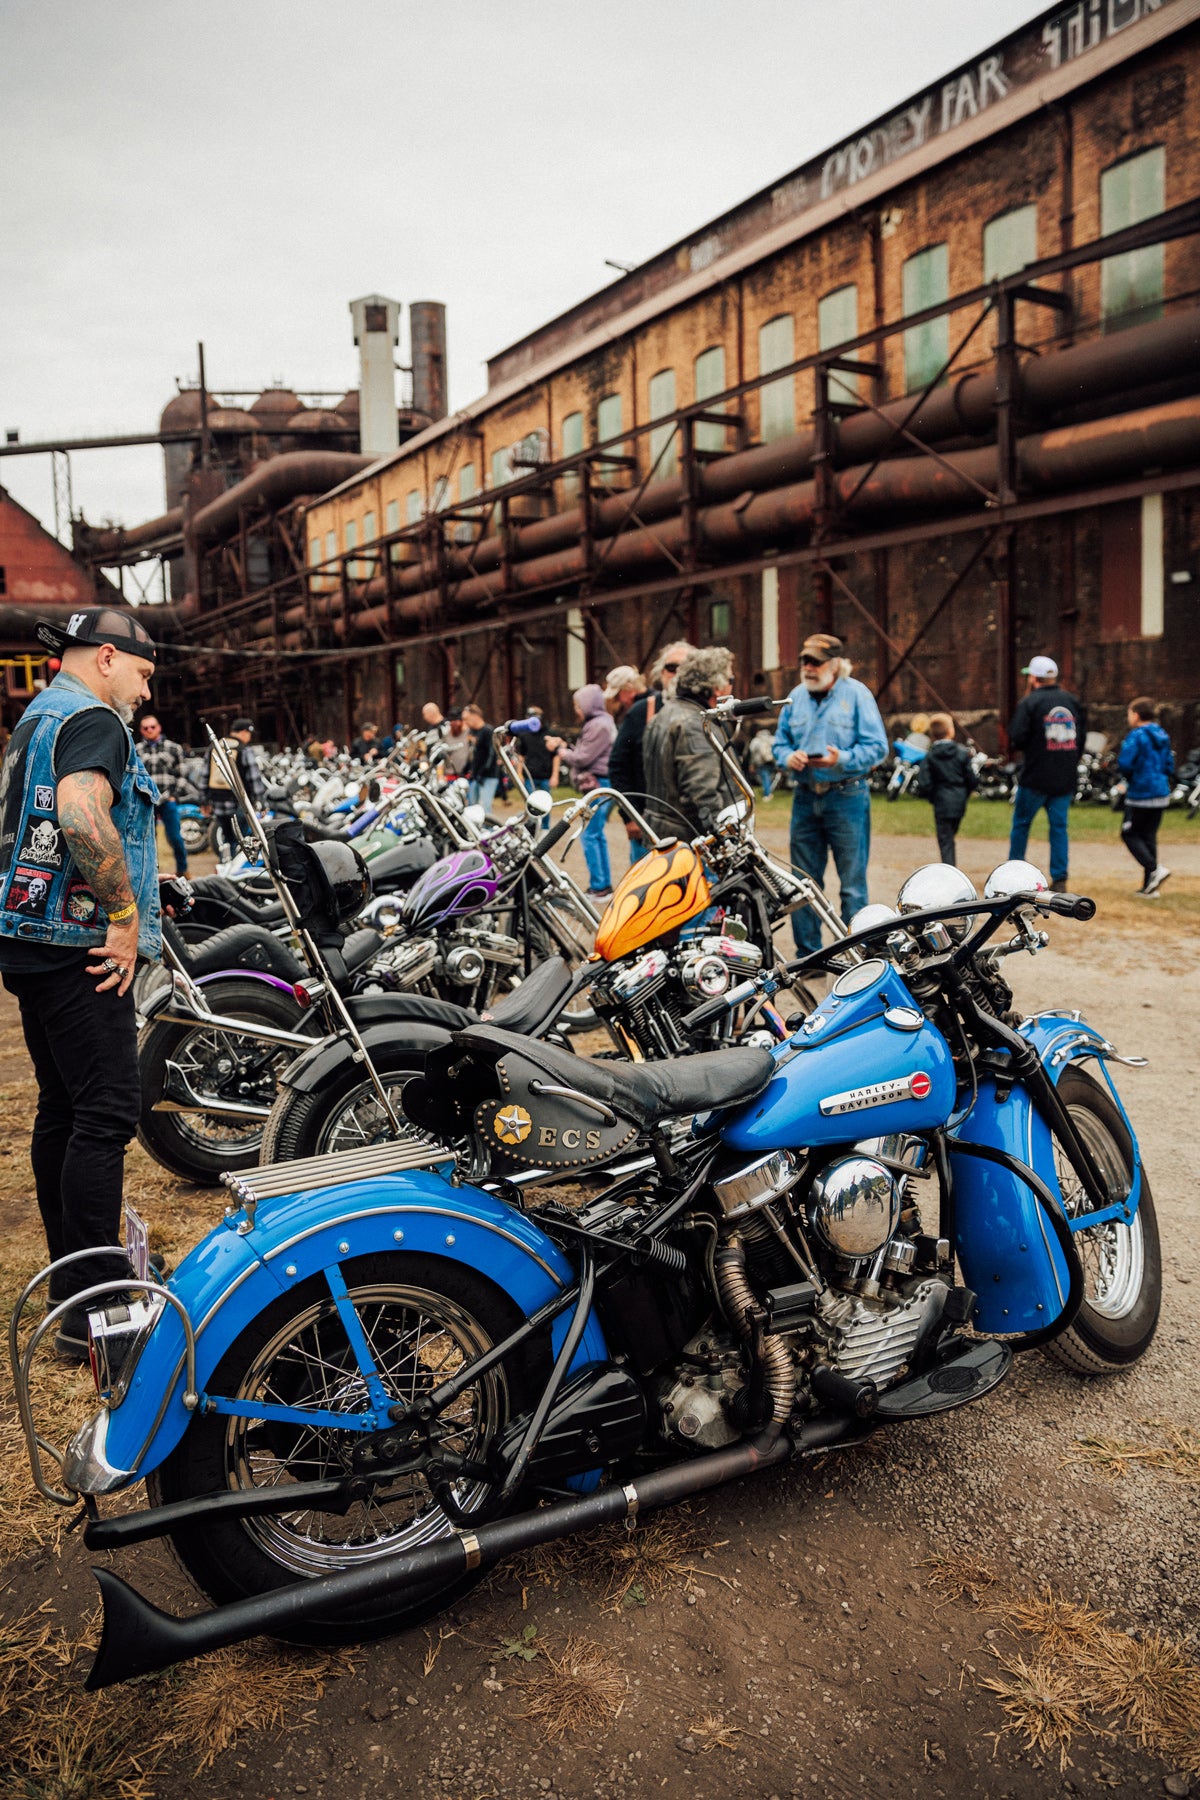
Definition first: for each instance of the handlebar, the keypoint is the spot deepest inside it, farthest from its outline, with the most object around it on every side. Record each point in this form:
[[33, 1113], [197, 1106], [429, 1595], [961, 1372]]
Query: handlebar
[[1067, 906], [712, 1009], [556, 833], [744, 709], [523, 727]]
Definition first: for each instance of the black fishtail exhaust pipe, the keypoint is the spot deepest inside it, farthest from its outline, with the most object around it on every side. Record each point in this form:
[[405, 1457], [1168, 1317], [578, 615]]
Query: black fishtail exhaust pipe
[[138, 1638]]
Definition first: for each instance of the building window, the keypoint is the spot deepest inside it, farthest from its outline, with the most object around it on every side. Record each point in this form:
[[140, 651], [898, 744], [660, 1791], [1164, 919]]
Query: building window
[[393, 516], [398, 674], [368, 528], [351, 534], [500, 470], [441, 493], [926, 347], [1131, 286], [1009, 242], [710, 380], [572, 444], [1131, 570], [720, 621], [466, 481], [314, 556], [608, 424], [330, 545], [770, 618], [837, 323], [412, 508], [664, 439], [777, 400]]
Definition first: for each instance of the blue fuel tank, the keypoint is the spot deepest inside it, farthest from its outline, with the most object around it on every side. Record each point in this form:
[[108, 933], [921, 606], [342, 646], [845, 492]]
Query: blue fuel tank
[[866, 1063]]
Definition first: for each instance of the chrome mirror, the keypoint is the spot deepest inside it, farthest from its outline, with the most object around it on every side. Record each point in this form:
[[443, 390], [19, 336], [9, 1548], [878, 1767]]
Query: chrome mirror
[[731, 815], [1011, 878], [538, 804]]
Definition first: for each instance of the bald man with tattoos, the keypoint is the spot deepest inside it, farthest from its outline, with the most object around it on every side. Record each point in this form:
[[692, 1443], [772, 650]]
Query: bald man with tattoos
[[78, 906]]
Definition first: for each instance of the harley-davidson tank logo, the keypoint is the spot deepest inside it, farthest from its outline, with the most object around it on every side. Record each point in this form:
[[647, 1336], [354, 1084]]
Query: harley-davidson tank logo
[[880, 1093], [512, 1125]]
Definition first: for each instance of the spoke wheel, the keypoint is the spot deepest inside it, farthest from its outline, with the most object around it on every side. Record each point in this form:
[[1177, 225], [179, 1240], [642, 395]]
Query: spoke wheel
[[423, 1318], [1122, 1265]]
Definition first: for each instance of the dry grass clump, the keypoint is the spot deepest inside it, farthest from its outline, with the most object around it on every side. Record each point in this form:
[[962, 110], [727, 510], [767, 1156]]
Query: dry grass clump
[[712, 1733], [960, 1577], [1085, 1676], [1178, 1456], [582, 1689], [622, 1567]]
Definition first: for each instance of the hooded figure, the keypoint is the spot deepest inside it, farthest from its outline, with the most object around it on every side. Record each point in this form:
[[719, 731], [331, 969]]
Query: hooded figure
[[588, 761]]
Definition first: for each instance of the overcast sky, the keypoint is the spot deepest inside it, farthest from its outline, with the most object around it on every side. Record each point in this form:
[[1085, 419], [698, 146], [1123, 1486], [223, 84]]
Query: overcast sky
[[238, 170]]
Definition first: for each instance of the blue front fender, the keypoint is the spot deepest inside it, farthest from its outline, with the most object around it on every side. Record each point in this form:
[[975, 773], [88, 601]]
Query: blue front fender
[[1007, 1251], [230, 1278]]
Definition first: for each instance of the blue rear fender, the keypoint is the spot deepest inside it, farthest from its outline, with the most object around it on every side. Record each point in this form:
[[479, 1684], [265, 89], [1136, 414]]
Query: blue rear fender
[[1005, 1246], [229, 1279]]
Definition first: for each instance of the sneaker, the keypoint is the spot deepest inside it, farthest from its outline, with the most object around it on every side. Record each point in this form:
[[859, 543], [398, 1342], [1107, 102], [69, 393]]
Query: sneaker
[[1059, 886], [1155, 879], [71, 1338], [600, 893]]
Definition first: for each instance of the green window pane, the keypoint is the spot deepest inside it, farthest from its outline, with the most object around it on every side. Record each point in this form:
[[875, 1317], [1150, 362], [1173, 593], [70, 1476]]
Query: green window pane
[[926, 279], [314, 551], [368, 528], [466, 481], [412, 507], [720, 621], [393, 515], [608, 424], [837, 323], [1131, 286], [710, 379], [1009, 242], [777, 399], [499, 468], [330, 544], [441, 493], [572, 444], [664, 439], [351, 534]]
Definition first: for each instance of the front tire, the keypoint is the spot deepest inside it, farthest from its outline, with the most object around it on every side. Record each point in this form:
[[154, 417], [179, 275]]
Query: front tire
[[202, 1146], [343, 1113], [422, 1317], [1122, 1264]]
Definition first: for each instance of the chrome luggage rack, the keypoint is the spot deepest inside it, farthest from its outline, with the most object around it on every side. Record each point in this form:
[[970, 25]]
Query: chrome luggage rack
[[331, 1170]]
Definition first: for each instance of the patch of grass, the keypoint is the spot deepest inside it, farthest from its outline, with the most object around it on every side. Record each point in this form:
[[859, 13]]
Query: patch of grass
[[1042, 1704], [245, 1688], [612, 1562], [960, 1577], [1178, 1456], [582, 1689], [712, 1733]]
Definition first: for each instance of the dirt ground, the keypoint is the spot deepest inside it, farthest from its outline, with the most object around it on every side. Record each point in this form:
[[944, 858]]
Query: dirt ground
[[889, 1618]]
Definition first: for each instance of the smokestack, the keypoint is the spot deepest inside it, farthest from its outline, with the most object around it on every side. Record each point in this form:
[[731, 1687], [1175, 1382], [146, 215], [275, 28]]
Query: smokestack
[[427, 328], [377, 332]]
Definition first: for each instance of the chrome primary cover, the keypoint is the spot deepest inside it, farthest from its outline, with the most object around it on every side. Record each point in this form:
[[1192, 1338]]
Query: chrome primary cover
[[855, 1206]]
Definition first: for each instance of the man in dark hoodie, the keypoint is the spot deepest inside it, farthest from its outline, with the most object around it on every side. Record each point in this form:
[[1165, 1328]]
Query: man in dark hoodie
[[1048, 729], [1148, 764], [947, 779]]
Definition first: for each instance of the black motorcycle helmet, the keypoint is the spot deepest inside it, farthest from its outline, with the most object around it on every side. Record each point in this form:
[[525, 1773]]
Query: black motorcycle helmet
[[341, 880]]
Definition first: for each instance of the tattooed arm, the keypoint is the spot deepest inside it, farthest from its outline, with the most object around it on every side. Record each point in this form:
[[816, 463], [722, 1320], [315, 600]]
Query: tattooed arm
[[85, 803]]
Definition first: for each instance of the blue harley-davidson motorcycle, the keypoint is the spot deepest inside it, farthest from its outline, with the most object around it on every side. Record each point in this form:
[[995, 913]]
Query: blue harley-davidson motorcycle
[[387, 1369]]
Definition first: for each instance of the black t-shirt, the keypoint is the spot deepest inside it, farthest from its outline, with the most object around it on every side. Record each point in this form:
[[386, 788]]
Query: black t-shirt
[[95, 739], [539, 762]]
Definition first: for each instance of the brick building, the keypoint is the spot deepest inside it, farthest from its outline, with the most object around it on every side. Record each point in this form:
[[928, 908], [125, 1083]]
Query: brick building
[[1035, 491]]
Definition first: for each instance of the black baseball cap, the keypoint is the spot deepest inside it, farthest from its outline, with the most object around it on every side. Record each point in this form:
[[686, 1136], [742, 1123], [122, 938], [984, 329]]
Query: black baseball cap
[[98, 625]]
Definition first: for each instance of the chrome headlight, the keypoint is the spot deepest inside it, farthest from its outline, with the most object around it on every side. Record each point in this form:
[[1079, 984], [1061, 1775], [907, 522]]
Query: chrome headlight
[[1010, 878], [854, 1206], [875, 914], [937, 884]]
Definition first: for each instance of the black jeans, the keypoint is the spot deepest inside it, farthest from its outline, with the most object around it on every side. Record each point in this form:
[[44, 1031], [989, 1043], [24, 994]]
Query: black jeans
[[84, 1050], [946, 825], [230, 829], [1139, 833]]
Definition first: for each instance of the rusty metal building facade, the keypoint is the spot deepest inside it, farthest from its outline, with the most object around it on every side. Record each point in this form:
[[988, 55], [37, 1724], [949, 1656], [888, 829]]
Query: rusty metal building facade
[[937, 390]]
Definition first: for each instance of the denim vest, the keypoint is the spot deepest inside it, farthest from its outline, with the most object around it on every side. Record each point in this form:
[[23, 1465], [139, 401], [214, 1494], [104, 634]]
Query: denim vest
[[45, 898]]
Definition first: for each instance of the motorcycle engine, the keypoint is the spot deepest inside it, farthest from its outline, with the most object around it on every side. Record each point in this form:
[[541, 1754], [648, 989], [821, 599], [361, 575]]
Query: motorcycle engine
[[403, 964], [647, 995]]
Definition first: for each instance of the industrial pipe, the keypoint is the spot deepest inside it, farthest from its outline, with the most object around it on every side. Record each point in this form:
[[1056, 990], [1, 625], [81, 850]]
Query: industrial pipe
[[272, 484], [116, 540], [1073, 455]]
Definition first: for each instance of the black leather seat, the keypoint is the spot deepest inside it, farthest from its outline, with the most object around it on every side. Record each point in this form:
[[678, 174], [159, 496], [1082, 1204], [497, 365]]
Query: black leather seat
[[536, 1000], [402, 1009], [360, 947], [646, 1093], [244, 947]]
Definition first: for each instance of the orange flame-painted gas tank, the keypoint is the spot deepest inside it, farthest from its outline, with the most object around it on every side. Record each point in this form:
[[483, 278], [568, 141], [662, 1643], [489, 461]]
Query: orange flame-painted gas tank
[[661, 892]]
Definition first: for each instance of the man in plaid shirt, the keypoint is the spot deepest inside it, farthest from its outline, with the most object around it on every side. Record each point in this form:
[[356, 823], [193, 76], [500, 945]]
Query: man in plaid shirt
[[164, 764]]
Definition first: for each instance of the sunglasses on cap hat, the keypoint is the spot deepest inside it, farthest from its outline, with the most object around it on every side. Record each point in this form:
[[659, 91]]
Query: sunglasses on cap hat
[[809, 661]]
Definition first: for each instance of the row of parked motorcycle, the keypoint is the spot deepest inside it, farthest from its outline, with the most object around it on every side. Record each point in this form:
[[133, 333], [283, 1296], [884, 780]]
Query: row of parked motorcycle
[[825, 1195], [1098, 782]]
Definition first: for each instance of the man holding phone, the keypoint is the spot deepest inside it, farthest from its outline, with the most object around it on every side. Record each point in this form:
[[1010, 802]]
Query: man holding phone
[[829, 736]]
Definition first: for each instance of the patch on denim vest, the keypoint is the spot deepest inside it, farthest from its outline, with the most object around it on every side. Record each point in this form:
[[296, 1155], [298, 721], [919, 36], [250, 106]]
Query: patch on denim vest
[[28, 893], [80, 905], [41, 844]]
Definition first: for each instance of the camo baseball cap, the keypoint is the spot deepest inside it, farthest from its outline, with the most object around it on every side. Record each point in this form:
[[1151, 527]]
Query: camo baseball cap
[[98, 625]]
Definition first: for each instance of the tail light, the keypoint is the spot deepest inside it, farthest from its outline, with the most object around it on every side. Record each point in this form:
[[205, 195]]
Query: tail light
[[116, 1334], [306, 993]]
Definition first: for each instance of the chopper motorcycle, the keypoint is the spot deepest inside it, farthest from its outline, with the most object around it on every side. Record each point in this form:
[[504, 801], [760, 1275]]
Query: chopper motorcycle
[[376, 1378]]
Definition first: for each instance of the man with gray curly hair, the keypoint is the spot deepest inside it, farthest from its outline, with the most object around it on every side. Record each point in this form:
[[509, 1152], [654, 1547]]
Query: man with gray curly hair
[[684, 778]]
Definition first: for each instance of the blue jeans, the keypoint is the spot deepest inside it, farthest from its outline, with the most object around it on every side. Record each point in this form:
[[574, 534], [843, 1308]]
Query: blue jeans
[[595, 849], [168, 813], [482, 793], [766, 780], [1028, 803], [836, 817]]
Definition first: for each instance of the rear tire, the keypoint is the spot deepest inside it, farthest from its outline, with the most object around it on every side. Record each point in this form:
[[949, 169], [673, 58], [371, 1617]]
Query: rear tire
[[1122, 1264], [421, 1314], [201, 1147], [344, 1113]]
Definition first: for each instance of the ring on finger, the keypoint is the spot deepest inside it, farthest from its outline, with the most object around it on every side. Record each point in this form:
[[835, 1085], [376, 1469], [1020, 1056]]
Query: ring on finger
[[110, 963]]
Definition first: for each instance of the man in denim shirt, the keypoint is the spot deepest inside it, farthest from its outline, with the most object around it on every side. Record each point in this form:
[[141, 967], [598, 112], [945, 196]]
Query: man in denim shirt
[[829, 735]]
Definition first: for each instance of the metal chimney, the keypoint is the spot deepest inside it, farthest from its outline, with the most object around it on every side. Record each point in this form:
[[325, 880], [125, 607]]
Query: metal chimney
[[377, 332], [427, 329]]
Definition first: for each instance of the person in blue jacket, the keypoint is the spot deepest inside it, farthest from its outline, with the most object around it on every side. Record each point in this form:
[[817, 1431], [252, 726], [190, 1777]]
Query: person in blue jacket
[[830, 735], [1146, 761]]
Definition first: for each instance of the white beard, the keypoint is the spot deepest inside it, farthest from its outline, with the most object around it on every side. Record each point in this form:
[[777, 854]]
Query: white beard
[[124, 713]]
